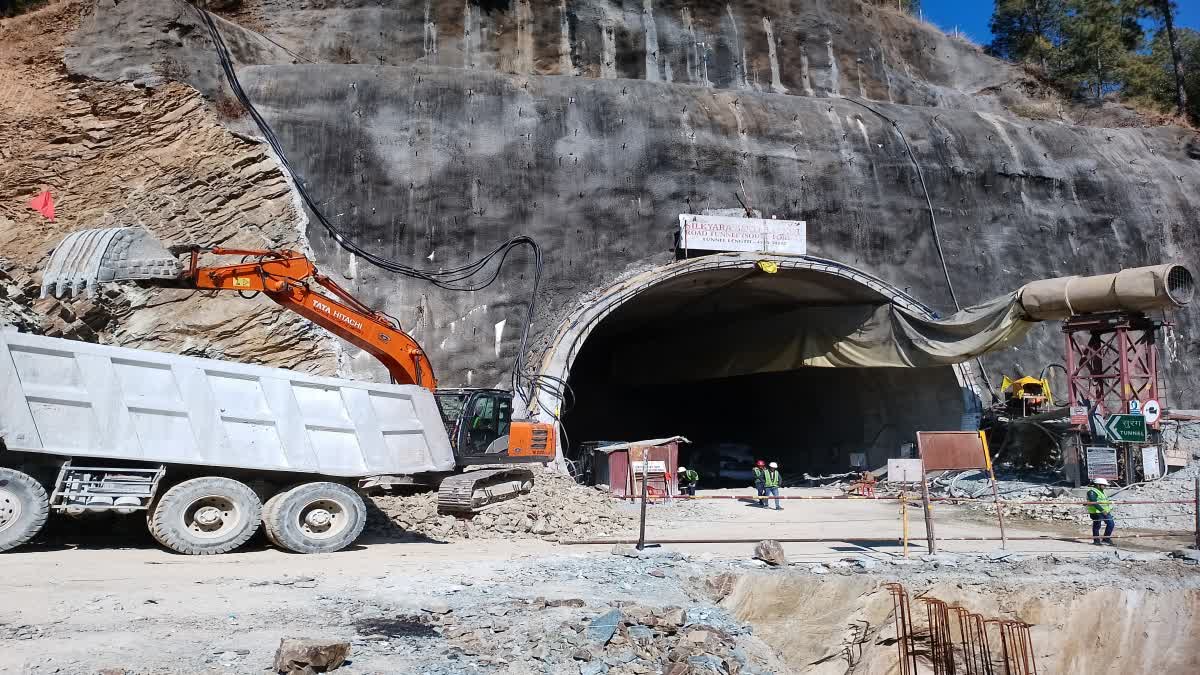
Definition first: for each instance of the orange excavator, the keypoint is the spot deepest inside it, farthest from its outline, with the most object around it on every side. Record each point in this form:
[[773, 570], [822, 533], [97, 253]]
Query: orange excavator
[[478, 421]]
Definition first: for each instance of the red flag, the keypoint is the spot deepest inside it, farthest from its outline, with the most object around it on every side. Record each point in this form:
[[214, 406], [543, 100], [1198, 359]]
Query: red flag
[[43, 203]]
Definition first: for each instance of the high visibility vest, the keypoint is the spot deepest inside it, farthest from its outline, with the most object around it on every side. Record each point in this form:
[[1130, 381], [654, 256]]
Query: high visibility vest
[[758, 475], [690, 476], [1103, 505], [772, 479]]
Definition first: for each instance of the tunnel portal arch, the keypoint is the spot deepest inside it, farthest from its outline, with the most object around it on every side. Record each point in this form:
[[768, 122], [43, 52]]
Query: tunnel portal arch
[[637, 357]]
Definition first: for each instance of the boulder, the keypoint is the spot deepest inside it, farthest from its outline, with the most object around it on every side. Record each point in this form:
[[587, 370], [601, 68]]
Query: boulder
[[301, 656], [674, 616], [602, 628], [770, 552]]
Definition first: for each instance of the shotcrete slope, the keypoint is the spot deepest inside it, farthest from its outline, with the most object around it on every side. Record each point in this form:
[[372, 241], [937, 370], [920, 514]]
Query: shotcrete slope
[[113, 154], [434, 163]]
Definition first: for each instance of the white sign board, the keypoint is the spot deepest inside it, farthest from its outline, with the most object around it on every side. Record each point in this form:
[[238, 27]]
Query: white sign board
[[1152, 411], [653, 466], [904, 471], [1150, 466], [1102, 462], [755, 235], [1135, 407]]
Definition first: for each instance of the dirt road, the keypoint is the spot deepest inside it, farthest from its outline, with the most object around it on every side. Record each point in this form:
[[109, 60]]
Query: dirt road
[[80, 601]]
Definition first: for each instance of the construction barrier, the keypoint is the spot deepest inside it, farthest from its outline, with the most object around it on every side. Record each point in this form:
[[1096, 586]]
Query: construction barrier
[[904, 501]]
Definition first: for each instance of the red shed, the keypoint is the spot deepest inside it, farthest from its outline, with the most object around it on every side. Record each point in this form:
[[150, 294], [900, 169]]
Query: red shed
[[611, 464]]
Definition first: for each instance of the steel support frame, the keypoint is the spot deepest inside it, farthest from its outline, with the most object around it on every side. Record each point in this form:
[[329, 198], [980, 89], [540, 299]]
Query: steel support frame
[[1112, 359]]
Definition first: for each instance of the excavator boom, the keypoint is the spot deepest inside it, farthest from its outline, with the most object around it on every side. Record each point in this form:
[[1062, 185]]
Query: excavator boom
[[287, 277]]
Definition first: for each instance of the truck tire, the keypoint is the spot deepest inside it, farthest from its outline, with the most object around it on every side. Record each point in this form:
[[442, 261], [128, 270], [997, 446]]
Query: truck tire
[[316, 518], [206, 516], [268, 508], [24, 508]]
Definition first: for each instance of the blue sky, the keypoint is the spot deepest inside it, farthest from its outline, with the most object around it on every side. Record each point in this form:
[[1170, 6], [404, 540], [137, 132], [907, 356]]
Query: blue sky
[[972, 16]]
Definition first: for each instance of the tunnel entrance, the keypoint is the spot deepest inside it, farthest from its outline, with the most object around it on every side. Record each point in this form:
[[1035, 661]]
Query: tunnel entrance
[[711, 355]]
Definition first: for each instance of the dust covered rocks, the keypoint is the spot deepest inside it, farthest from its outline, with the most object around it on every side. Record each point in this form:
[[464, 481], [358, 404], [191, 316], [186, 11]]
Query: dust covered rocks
[[628, 639], [556, 509]]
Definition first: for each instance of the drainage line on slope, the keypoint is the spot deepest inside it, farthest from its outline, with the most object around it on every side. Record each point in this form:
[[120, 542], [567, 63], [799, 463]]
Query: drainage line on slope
[[937, 240]]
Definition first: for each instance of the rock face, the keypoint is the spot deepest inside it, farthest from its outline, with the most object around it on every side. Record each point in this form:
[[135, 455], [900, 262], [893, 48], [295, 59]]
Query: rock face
[[432, 131], [456, 130], [115, 156]]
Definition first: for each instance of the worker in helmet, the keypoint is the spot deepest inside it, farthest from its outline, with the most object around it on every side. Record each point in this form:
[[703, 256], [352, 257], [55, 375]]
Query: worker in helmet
[[1101, 512], [771, 484], [760, 481], [687, 481]]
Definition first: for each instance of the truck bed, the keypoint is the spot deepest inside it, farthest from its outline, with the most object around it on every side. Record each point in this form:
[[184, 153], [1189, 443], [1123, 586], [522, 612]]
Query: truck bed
[[77, 399]]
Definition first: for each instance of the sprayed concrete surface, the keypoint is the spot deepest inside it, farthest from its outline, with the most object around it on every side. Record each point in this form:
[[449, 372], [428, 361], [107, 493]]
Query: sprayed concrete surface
[[432, 131]]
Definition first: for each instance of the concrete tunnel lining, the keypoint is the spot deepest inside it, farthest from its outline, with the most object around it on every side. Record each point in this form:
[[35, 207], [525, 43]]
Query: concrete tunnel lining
[[638, 297]]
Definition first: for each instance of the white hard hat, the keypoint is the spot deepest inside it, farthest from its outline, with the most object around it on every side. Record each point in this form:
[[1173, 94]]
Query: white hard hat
[[682, 469], [773, 465], [1100, 481]]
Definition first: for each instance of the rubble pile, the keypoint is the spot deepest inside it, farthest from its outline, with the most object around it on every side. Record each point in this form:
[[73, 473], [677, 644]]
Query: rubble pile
[[18, 290], [556, 509], [628, 639], [1166, 517]]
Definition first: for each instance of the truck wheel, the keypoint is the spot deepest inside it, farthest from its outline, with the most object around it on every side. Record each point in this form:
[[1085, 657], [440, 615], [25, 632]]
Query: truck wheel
[[24, 508], [268, 508], [206, 516], [316, 518]]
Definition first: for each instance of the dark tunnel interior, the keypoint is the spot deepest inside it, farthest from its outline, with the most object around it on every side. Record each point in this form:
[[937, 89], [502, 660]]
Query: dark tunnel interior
[[667, 362]]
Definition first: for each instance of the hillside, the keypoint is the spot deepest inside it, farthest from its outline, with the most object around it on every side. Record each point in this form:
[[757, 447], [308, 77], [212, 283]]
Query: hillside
[[432, 131]]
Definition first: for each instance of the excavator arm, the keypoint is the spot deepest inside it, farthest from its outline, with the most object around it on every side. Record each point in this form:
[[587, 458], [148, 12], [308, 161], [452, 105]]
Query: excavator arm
[[88, 257], [289, 278]]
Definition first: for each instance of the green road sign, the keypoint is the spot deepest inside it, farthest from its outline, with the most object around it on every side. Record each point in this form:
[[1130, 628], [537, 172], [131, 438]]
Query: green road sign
[[1126, 428]]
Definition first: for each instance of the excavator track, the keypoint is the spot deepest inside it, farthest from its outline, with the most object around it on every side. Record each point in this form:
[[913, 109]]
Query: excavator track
[[472, 491]]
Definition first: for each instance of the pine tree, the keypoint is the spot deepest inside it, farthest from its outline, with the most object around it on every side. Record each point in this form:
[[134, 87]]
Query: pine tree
[[1163, 12], [1027, 30], [1151, 79], [1099, 38]]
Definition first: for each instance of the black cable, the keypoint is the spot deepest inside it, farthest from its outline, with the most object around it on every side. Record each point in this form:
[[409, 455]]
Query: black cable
[[937, 240], [453, 279]]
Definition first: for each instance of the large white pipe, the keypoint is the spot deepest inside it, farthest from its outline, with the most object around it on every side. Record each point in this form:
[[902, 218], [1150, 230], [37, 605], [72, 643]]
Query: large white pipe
[[1138, 289]]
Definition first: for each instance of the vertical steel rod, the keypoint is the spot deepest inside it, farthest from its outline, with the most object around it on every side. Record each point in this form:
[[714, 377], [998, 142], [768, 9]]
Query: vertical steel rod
[[987, 456], [645, 493], [930, 540], [1197, 507]]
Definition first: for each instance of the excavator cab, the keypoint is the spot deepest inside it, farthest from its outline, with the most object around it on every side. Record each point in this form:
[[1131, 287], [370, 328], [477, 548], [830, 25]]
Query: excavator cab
[[482, 431]]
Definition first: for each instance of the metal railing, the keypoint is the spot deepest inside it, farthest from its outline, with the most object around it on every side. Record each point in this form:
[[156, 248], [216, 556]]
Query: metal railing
[[903, 499]]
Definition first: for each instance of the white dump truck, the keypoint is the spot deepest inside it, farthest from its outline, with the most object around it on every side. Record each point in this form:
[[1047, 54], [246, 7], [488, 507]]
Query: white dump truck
[[207, 449], [210, 449]]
